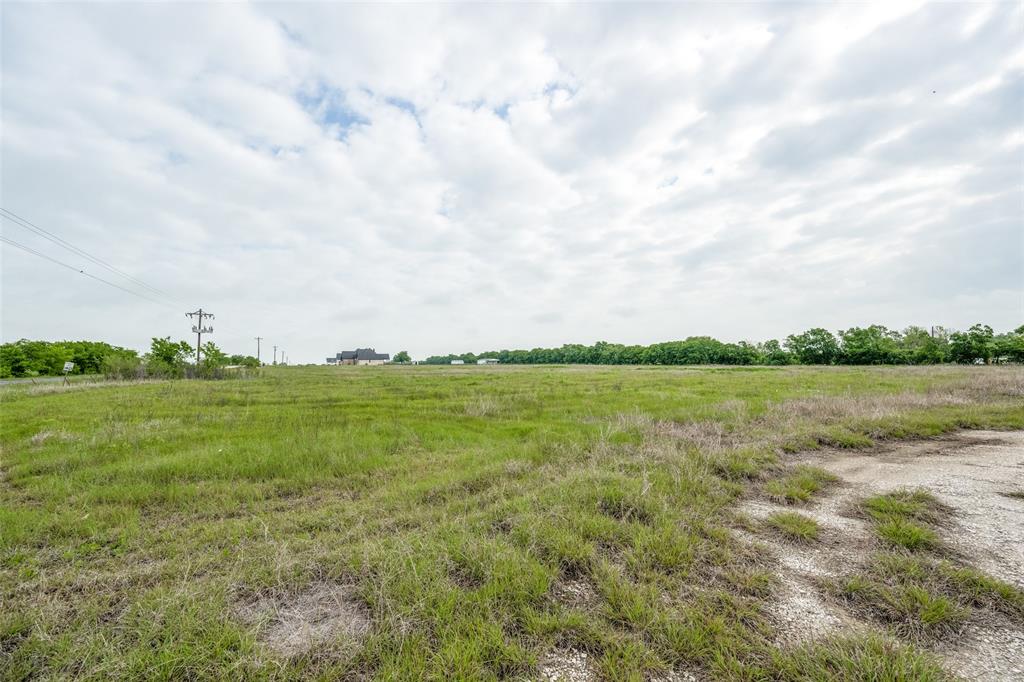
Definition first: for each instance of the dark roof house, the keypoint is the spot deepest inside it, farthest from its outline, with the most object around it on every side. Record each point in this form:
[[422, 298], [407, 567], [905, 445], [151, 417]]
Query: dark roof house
[[359, 356]]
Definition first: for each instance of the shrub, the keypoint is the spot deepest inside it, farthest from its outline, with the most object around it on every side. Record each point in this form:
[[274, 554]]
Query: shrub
[[122, 367]]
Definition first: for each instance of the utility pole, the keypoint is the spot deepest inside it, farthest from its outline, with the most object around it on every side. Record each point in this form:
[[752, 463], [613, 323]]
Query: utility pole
[[275, 355], [199, 329], [258, 339]]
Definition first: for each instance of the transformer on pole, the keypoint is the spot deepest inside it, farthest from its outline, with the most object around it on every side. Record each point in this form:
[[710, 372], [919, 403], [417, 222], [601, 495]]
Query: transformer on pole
[[199, 329]]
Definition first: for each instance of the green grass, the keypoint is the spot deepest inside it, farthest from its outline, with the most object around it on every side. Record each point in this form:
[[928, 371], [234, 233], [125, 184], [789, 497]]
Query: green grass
[[138, 522], [798, 486], [852, 659], [902, 518], [909, 609], [907, 534], [794, 526], [916, 505], [921, 597]]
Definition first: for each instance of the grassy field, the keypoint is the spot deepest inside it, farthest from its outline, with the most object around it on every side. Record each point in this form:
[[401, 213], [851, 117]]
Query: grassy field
[[460, 523]]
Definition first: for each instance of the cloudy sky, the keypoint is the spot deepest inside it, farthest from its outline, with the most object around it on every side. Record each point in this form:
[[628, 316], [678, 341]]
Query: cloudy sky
[[453, 178]]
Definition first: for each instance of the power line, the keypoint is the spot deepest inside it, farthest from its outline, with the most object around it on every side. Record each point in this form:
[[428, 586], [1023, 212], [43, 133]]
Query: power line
[[29, 249], [32, 227]]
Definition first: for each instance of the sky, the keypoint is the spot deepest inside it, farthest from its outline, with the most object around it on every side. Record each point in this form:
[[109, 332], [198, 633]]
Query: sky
[[451, 178]]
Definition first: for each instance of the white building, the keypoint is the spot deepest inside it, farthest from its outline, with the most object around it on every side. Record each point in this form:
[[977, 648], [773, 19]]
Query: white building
[[487, 361]]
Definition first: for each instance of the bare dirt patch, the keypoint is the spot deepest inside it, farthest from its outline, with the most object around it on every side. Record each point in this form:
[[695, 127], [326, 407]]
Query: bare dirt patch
[[323, 613], [970, 473]]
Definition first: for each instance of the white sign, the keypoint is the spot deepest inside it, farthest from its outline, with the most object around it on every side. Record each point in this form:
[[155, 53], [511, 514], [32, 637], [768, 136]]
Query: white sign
[[68, 366]]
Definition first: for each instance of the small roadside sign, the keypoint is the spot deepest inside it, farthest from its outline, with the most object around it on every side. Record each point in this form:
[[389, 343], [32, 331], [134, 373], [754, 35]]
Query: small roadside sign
[[68, 366]]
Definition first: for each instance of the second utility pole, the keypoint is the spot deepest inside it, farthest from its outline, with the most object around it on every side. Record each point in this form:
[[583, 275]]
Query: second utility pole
[[199, 329]]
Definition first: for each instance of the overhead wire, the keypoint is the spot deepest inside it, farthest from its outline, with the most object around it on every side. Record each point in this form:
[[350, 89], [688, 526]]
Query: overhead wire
[[81, 271], [60, 241]]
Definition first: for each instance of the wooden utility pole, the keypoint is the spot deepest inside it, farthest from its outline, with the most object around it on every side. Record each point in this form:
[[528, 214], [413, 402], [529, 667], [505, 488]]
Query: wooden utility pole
[[199, 329], [258, 339], [275, 355]]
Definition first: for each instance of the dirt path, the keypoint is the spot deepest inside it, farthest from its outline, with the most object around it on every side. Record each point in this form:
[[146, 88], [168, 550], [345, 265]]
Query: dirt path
[[971, 472]]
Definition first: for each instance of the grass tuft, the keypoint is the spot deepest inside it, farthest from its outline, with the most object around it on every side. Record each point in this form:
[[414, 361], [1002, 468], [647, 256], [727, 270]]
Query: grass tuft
[[921, 597], [910, 610], [794, 526], [857, 658], [916, 505], [982, 590], [906, 534], [799, 485]]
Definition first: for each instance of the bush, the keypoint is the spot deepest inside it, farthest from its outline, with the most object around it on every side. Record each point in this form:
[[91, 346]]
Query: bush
[[122, 367]]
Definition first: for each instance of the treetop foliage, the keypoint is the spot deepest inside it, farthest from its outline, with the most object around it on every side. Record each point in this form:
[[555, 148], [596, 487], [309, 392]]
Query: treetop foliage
[[165, 358], [873, 345]]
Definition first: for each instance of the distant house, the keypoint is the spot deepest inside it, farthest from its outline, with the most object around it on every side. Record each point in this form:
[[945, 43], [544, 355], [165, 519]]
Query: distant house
[[359, 356], [487, 361], [458, 362]]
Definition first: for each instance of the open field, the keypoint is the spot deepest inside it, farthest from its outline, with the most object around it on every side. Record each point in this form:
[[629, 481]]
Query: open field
[[617, 523]]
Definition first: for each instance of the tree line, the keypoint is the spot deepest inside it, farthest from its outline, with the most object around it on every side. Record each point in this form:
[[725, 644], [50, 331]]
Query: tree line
[[873, 345], [165, 359]]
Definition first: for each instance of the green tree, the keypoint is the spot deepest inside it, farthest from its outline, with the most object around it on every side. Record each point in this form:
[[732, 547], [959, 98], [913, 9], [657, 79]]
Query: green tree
[[814, 347], [167, 358], [874, 345], [1009, 347], [33, 358], [977, 343], [772, 353], [212, 356], [402, 356], [922, 347]]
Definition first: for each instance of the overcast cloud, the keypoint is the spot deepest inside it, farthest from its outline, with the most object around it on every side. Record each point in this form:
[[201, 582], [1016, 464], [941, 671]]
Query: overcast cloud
[[458, 178]]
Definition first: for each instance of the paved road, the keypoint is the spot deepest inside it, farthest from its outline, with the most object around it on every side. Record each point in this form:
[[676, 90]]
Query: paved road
[[38, 380]]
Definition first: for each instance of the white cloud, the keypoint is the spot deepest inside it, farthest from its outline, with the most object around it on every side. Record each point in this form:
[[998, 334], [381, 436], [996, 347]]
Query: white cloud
[[439, 178]]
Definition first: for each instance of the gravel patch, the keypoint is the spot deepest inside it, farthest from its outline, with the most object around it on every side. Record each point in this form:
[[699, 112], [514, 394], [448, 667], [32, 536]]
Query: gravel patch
[[567, 665], [799, 611], [970, 473], [994, 651]]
